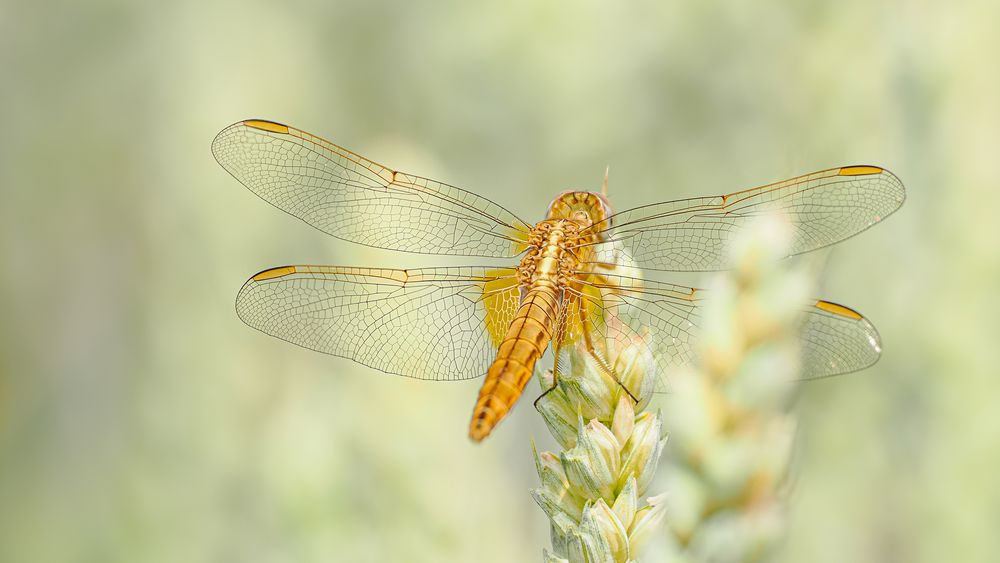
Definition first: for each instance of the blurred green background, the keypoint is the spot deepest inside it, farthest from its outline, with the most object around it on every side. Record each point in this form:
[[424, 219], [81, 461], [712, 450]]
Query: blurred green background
[[140, 420]]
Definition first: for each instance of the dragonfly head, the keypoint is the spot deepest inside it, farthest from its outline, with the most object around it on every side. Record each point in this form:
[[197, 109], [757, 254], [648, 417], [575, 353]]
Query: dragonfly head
[[585, 208]]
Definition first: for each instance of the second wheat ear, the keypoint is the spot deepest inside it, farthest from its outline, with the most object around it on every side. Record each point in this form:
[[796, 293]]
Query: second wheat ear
[[731, 429]]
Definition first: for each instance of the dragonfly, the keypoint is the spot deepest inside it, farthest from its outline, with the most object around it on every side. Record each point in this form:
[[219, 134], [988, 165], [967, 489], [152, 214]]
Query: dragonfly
[[563, 287]]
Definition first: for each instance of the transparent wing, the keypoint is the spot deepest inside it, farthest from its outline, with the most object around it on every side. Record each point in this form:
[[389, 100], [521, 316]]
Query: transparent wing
[[624, 310], [837, 340], [434, 323], [355, 199], [692, 234], [581, 336]]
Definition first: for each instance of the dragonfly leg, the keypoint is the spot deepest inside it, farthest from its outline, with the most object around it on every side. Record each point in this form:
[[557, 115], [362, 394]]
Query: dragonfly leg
[[594, 353], [556, 345], [555, 383]]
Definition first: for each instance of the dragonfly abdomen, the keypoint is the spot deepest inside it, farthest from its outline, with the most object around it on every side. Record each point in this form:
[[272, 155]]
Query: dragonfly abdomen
[[525, 342]]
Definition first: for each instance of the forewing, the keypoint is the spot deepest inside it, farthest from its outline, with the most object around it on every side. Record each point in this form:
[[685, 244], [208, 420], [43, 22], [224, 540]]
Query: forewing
[[693, 234], [356, 199], [628, 311], [434, 323]]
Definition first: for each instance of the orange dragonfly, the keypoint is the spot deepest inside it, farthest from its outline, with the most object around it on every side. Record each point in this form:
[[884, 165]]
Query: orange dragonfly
[[568, 291]]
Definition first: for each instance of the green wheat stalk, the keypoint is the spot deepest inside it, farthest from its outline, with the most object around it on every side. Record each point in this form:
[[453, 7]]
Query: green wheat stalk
[[592, 489]]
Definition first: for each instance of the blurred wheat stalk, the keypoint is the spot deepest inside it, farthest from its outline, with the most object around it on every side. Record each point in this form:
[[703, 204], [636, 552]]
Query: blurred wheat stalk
[[731, 432], [591, 490]]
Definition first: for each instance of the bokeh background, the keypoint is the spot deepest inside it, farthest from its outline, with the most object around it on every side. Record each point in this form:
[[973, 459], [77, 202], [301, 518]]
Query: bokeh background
[[141, 421]]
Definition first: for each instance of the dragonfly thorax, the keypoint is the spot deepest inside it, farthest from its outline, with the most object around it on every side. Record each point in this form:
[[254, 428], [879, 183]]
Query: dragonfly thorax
[[550, 259]]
